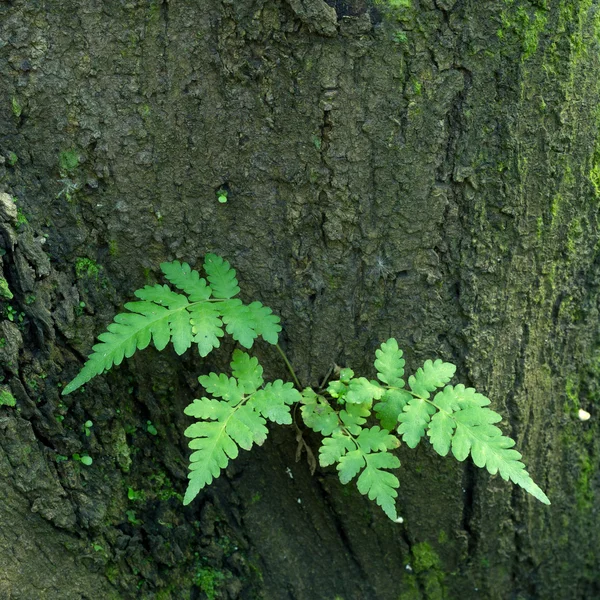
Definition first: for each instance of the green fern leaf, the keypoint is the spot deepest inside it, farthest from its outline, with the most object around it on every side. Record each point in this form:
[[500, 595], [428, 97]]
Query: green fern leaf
[[208, 408], [375, 439], [337, 389], [222, 386], [247, 371], [346, 375], [187, 280], [490, 449], [156, 316], [354, 416], [440, 432], [464, 424], [206, 327], [380, 485], [317, 414], [362, 390], [430, 376], [460, 397], [273, 402], [181, 331], [391, 405], [128, 332], [232, 424], [349, 465], [221, 277], [413, 421], [390, 364], [266, 324], [213, 448], [163, 295], [239, 321], [247, 427], [334, 448]]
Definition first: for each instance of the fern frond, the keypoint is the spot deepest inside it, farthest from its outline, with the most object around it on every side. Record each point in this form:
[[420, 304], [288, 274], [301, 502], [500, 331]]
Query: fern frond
[[187, 280], [128, 332], [215, 442], [238, 420], [163, 315], [390, 364], [213, 448], [465, 425], [368, 451], [221, 277]]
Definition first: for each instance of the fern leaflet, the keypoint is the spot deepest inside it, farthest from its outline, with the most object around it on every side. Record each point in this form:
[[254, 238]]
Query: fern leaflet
[[390, 364], [221, 277]]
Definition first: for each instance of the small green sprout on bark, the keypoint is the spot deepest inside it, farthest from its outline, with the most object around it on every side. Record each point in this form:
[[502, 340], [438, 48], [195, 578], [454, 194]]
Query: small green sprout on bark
[[361, 420]]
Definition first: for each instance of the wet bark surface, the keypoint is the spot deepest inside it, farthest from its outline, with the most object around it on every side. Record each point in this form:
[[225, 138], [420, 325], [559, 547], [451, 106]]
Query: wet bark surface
[[425, 169]]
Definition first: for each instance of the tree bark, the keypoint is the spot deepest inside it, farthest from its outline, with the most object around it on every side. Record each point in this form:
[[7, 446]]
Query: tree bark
[[422, 169]]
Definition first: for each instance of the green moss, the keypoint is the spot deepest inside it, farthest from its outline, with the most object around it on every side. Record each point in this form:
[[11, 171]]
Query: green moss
[[583, 492], [424, 558], [85, 267], [395, 10], [209, 580], [5, 290], [427, 566], [572, 393], [525, 25], [6, 398], [17, 109], [153, 11], [556, 202], [113, 247], [533, 29], [574, 233], [21, 218], [412, 591], [68, 161], [13, 159], [144, 110]]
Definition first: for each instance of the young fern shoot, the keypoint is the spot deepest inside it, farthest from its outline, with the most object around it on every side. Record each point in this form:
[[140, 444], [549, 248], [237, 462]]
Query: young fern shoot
[[234, 413]]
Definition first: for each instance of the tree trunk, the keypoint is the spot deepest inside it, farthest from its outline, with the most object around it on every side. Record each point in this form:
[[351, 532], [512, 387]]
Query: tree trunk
[[422, 169]]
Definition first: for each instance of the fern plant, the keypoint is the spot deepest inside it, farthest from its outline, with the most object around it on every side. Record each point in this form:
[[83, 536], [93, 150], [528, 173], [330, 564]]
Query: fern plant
[[235, 411]]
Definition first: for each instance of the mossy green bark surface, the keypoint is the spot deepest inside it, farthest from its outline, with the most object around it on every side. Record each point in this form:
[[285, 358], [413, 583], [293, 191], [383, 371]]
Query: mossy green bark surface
[[428, 170]]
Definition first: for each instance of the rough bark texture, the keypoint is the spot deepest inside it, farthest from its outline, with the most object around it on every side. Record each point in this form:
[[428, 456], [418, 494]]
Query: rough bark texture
[[424, 169]]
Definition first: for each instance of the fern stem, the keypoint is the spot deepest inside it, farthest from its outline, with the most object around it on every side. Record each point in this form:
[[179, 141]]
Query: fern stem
[[289, 366]]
